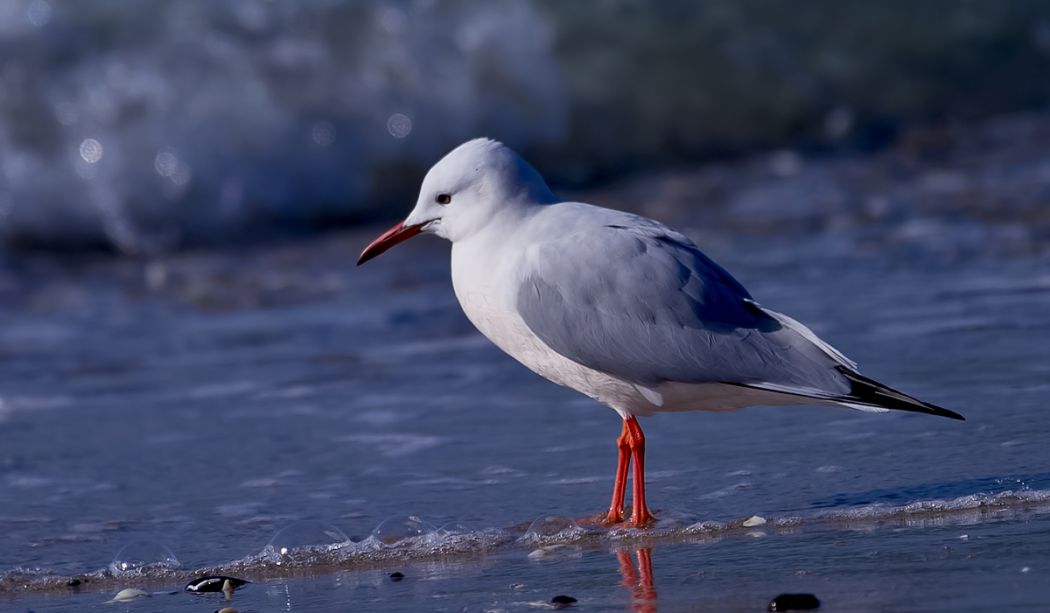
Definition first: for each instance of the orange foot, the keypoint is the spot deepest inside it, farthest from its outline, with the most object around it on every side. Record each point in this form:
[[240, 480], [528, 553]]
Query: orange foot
[[611, 520]]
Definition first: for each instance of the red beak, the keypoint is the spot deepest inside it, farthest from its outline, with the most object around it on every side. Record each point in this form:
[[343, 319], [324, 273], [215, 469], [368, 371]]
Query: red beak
[[388, 239]]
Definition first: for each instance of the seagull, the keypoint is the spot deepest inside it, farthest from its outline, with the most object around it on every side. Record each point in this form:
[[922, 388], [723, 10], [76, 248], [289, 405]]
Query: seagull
[[619, 307]]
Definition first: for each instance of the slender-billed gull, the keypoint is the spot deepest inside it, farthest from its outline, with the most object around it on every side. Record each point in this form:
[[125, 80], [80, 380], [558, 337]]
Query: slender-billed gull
[[619, 307]]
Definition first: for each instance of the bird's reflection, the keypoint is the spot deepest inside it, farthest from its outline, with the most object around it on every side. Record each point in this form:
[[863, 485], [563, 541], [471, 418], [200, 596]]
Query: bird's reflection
[[639, 579]]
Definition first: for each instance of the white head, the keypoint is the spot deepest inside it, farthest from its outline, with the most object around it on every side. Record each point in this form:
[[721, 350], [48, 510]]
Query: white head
[[478, 182]]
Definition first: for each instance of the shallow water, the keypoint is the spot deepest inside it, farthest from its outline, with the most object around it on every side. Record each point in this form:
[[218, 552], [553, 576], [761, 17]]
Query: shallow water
[[968, 568], [206, 401]]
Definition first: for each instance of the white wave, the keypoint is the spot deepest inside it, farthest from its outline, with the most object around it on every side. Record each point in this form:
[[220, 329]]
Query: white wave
[[549, 535]]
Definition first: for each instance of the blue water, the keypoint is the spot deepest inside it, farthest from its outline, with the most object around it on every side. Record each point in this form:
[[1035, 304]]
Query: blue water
[[191, 410], [938, 567], [210, 417]]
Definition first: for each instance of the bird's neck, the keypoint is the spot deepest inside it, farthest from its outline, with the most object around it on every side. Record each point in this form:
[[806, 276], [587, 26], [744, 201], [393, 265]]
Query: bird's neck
[[497, 226]]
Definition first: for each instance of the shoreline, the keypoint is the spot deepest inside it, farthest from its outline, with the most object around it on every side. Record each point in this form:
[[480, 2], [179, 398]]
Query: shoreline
[[371, 555]]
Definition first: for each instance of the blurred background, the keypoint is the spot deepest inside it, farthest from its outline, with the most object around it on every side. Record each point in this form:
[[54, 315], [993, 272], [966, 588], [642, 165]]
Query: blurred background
[[146, 127], [191, 364]]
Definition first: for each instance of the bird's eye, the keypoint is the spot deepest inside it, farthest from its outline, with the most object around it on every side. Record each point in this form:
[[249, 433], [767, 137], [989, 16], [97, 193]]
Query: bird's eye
[[443, 199]]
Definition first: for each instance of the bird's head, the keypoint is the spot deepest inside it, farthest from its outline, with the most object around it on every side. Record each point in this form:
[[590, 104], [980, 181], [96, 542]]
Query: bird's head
[[477, 182]]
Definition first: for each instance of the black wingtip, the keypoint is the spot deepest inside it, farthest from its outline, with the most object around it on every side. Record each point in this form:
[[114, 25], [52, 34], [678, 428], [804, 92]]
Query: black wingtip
[[871, 392], [943, 412]]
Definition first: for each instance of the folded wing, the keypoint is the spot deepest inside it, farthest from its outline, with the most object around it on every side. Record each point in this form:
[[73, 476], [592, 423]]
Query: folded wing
[[634, 299]]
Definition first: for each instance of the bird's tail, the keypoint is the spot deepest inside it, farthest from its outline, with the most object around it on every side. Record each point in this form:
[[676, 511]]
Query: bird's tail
[[869, 394], [864, 394]]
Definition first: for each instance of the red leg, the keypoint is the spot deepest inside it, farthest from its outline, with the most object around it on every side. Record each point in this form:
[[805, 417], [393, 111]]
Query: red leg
[[620, 486], [640, 514]]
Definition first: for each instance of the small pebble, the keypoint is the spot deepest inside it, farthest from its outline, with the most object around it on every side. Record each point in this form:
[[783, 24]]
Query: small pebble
[[562, 601], [794, 602], [397, 576], [130, 593], [213, 583], [753, 521]]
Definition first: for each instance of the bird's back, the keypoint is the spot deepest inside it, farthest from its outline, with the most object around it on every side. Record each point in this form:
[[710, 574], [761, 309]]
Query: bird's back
[[629, 296]]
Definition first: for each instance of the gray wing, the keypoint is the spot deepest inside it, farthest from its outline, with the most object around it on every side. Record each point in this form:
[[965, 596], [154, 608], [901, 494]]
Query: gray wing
[[629, 297]]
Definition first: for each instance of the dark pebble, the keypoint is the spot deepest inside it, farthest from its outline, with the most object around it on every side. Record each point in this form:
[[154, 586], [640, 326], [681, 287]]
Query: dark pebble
[[213, 584], [396, 576], [562, 601], [73, 582], [794, 602]]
